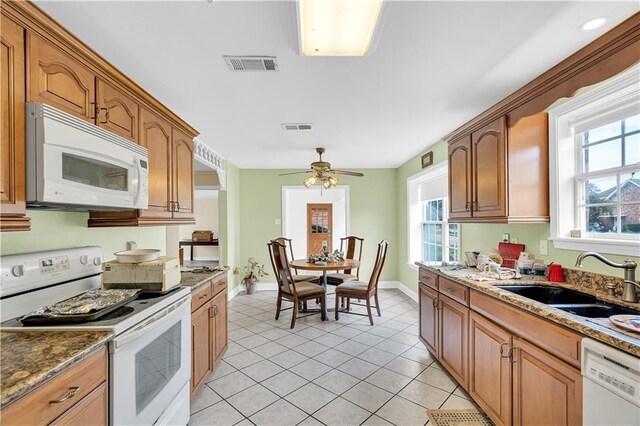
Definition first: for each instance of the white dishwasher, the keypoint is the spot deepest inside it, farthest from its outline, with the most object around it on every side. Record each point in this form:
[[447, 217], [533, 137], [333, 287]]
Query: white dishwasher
[[611, 385]]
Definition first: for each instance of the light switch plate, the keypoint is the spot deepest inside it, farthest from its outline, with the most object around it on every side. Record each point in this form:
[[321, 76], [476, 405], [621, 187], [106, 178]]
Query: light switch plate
[[544, 247], [505, 237], [277, 222]]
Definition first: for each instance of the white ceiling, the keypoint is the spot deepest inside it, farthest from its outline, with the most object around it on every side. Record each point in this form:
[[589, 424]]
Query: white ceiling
[[436, 65]]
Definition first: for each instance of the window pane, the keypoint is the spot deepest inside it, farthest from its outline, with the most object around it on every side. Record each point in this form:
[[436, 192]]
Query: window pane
[[632, 124], [604, 132], [603, 156], [601, 190], [439, 211], [630, 213], [601, 219], [632, 149]]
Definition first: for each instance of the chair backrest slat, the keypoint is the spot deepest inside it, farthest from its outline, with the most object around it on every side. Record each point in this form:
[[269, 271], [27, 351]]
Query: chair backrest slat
[[288, 244], [354, 248], [280, 263], [377, 268]]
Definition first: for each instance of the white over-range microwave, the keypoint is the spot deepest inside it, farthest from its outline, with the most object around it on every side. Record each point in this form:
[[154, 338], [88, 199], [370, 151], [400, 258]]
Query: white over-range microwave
[[75, 165]]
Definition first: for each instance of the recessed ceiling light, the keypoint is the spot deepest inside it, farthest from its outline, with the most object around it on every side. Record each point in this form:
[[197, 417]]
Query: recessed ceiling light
[[592, 24]]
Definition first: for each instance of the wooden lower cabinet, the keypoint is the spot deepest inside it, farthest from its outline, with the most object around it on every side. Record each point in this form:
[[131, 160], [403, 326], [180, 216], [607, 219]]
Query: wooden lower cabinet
[[92, 410], [454, 322], [209, 336], [429, 318], [546, 391], [490, 368]]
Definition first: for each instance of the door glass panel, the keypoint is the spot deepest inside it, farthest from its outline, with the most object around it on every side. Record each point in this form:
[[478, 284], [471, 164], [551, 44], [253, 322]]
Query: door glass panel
[[88, 171], [156, 364]]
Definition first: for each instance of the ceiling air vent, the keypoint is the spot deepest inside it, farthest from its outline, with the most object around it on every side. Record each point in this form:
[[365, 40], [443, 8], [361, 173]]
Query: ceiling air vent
[[296, 126], [251, 63]]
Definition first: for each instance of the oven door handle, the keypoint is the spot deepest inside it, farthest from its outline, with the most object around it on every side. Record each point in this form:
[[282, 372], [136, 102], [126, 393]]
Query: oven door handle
[[166, 314]]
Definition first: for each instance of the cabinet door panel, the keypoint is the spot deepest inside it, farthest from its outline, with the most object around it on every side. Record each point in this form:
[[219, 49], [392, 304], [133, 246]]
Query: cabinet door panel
[[546, 391], [490, 368], [453, 338], [118, 112], [57, 79], [200, 348], [220, 304], [183, 179], [12, 184], [489, 170], [429, 318], [156, 137], [460, 178]]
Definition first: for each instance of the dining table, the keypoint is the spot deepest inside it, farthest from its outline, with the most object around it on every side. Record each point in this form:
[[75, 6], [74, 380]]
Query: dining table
[[324, 267]]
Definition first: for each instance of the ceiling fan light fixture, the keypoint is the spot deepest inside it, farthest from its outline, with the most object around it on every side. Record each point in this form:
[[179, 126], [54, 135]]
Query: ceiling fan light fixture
[[337, 28], [327, 184], [311, 180], [333, 180]]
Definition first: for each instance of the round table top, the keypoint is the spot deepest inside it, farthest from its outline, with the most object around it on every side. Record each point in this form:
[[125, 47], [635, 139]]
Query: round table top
[[304, 265]]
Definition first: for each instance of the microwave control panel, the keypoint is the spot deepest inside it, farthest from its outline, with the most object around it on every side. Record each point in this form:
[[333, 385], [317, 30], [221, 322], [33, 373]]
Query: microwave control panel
[[53, 264]]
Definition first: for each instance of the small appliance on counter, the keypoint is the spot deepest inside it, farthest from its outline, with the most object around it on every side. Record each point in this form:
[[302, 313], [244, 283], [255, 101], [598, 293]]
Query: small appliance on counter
[[159, 275], [510, 253]]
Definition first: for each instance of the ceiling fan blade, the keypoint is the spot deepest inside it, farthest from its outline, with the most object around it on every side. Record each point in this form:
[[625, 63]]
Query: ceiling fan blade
[[346, 172], [296, 173]]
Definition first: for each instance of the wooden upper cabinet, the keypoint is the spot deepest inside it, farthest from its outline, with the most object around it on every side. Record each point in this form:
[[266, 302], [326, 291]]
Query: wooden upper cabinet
[[429, 321], [501, 175], [453, 338], [490, 368], [489, 170], [12, 150], [546, 391], [117, 112], [183, 178], [460, 178], [57, 79], [155, 135]]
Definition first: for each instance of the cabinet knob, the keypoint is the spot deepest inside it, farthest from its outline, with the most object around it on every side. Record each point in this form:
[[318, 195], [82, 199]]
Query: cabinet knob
[[97, 261], [84, 259], [17, 271]]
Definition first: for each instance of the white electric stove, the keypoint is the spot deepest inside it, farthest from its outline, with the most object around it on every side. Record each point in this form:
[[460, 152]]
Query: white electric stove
[[150, 354]]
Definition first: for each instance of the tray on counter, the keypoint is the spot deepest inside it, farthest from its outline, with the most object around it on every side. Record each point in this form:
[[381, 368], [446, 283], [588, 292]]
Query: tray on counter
[[84, 307]]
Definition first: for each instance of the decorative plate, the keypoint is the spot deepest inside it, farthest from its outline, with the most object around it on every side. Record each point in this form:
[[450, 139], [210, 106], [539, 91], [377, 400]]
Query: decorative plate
[[628, 322]]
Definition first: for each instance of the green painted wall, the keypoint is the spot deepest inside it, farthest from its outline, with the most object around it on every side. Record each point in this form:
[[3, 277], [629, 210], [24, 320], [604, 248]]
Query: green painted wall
[[408, 275], [54, 230], [230, 221], [373, 201]]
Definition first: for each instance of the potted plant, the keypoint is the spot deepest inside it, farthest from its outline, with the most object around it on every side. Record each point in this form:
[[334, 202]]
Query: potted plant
[[250, 274]]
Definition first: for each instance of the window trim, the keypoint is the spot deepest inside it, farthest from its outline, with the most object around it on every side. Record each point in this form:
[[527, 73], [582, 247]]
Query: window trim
[[616, 94], [414, 217]]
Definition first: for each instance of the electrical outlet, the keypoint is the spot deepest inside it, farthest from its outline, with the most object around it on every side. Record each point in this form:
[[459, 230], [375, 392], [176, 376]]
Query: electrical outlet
[[544, 247], [514, 240], [505, 237], [277, 222]]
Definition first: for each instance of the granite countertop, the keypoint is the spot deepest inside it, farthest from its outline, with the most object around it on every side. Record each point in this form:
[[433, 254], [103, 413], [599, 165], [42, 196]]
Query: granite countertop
[[196, 279], [595, 328], [30, 358]]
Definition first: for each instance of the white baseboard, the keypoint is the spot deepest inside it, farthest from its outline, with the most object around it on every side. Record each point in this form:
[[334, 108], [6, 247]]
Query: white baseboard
[[273, 286], [205, 259]]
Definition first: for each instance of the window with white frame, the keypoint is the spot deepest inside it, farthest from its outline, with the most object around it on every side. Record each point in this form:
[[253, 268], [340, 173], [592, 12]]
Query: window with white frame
[[440, 239], [595, 168]]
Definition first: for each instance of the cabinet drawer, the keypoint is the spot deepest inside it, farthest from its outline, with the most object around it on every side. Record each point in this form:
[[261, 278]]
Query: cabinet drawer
[[454, 290], [68, 388], [201, 296], [219, 284], [428, 278], [556, 340], [92, 410]]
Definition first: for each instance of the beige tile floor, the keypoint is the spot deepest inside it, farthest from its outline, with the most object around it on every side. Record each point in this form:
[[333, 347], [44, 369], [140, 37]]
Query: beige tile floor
[[342, 372]]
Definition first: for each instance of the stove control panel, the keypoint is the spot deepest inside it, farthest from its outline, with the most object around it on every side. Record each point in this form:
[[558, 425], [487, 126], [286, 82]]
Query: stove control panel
[[53, 264]]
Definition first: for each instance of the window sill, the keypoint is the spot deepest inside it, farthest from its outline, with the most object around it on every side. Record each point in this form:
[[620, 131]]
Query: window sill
[[621, 247], [412, 266]]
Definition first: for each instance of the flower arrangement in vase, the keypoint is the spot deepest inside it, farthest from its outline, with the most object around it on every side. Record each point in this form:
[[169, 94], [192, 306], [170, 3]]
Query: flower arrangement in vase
[[327, 257], [250, 274]]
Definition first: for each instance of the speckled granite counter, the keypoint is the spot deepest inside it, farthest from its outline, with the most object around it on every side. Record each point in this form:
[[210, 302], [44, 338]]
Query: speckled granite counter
[[197, 279], [30, 358], [595, 328]]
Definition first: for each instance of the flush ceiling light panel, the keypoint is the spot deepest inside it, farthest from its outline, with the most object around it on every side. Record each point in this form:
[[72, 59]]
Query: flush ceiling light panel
[[338, 27], [593, 24], [251, 63]]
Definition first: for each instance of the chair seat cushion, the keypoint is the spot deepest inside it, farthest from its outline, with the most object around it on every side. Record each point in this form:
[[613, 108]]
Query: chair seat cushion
[[308, 278], [340, 278], [305, 288], [353, 287]]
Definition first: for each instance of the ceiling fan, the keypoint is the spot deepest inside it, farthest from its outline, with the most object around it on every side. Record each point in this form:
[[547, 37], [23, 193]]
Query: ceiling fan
[[322, 173]]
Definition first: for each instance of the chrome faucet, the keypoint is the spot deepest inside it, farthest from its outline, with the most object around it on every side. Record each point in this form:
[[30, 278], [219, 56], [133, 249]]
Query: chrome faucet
[[629, 293]]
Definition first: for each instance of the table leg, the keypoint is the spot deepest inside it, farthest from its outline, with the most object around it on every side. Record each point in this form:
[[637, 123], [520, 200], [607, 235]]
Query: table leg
[[324, 284], [192, 247]]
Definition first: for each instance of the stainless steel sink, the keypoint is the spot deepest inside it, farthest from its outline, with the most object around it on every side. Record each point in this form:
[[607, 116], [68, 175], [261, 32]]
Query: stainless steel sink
[[575, 302], [550, 295]]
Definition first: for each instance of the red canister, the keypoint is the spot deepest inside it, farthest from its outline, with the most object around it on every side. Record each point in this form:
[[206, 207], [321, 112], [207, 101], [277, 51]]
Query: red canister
[[556, 274]]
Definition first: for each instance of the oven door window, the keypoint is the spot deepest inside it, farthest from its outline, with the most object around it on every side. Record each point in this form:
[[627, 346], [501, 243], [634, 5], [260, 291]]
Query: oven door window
[[156, 364], [89, 171]]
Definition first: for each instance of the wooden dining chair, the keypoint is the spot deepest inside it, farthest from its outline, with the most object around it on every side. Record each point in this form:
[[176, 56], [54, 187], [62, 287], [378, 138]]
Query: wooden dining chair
[[351, 246], [297, 277], [361, 290], [288, 289]]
